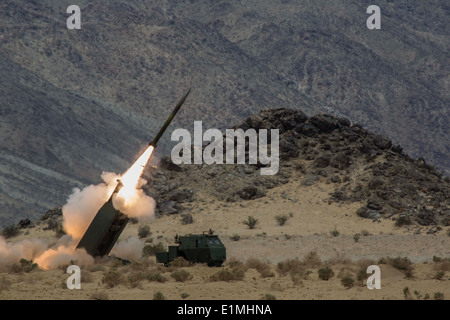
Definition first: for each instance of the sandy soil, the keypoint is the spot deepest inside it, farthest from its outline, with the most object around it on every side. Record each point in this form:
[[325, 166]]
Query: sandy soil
[[311, 220]]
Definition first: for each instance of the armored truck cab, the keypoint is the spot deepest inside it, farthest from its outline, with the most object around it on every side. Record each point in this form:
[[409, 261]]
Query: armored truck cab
[[204, 248]]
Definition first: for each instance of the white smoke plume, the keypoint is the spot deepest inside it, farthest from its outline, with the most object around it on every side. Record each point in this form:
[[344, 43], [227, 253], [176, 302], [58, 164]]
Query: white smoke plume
[[129, 249], [78, 212]]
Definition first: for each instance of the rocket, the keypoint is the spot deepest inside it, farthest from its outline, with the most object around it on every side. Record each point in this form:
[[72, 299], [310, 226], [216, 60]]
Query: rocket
[[108, 223], [169, 120]]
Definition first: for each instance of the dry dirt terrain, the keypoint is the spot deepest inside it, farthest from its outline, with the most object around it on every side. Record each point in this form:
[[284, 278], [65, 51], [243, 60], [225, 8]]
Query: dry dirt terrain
[[257, 258]]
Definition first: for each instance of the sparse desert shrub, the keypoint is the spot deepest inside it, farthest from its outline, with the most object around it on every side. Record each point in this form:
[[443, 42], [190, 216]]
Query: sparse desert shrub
[[311, 260], [356, 237], [158, 296], [257, 264], [268, 296], [155, 277], [439, 275], [99, 295], [235, 237], [184, 295], [227, 275], [281, 219], [448, 232], [235, 263], [112, 278], [24, 266], [180, 262], [290, 266], [361, 276], [325, 273], [181, 275], [187, 218], [438, 296], [143, 231], [334, 232], [348, 281], [139, 265], [406, 293], [152, 249], [403, 264], [403, 221], [10, 231], [250, 222], [437, 259], [134, 279], [443, 265], [276, 286], [426, 296], [365, 233]]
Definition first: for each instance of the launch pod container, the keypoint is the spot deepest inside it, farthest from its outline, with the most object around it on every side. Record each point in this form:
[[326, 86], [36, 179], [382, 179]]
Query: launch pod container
[[203, 248]]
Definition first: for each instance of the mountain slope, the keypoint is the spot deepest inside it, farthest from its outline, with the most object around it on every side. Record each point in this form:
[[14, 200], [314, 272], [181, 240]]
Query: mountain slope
[[77, 102]]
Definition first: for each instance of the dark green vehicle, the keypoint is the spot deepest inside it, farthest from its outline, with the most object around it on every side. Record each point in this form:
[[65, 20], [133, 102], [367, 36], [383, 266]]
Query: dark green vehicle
[[203, 248]]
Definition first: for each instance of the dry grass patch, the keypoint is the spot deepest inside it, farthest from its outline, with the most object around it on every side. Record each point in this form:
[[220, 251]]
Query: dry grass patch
[[229, 275], [181, 275], [262, 267], [290, 266]]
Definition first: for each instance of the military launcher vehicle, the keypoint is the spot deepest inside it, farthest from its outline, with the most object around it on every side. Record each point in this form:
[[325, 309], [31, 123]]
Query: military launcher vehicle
[[203, 248]]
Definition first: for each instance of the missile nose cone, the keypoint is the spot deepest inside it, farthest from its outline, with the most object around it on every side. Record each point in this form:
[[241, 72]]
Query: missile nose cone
[[169, 119]]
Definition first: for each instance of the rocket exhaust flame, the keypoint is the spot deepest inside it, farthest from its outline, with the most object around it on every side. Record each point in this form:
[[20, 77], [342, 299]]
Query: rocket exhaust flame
[[81, 211], [131, 177]]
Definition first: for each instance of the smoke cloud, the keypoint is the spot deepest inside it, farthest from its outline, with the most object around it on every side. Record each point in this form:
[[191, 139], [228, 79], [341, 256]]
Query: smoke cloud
[[129, 249], [78, 212]]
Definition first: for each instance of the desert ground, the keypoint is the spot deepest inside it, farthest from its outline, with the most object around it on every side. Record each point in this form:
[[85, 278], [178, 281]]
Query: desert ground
[[270, 261]]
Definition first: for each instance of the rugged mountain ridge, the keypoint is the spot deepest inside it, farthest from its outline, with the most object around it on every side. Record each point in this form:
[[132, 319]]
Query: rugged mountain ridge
[[78, 102], [363, 167]]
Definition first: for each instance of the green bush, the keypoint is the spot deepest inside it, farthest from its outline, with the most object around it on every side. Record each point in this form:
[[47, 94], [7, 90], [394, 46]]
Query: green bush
[[24, 266], [10, 231], [143, 231], [158, 296], [312, 260], [334, 233], [402, 221], [325, 273], [250, 222], [438, 296], [269, 296], [348, 282], [439, 275], [184, 295], [281, 219]]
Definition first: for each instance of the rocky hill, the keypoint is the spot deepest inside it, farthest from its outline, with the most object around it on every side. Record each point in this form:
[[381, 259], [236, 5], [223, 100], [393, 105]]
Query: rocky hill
[[362, 166], [78, 102]]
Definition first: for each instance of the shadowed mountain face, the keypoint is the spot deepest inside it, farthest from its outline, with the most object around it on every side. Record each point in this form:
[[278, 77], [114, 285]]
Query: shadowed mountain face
[[78, 102]]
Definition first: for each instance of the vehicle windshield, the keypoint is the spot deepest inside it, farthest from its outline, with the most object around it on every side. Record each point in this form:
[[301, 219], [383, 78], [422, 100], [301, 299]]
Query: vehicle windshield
[[214, 241]]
